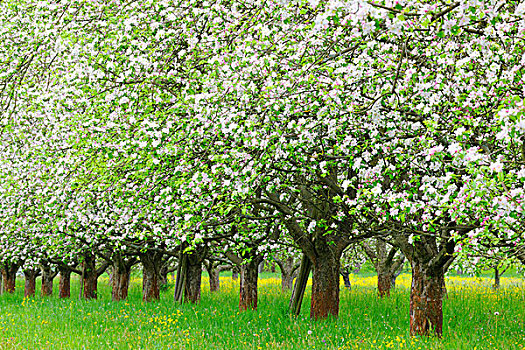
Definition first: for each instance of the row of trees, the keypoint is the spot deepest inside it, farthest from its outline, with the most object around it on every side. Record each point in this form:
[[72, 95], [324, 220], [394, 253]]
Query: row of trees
[[141, 130]]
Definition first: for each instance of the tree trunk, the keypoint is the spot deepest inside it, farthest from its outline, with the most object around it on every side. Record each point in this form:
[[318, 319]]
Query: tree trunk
[[496, 278], [120, 285], [89, 277], [64, 283], [214, 273], [426, 301], [260, 268], [235, 273], [325, 285], [151, 264], [248, 285], [164, 270], [300, 285], [9, 271], [192, 285], [384, 283], [30, 283], [346, 278], [287, 270], [47, 280], [180, 282]]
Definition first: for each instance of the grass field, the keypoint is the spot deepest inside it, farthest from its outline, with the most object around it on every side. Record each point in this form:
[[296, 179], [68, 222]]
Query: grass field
[[475, 317]]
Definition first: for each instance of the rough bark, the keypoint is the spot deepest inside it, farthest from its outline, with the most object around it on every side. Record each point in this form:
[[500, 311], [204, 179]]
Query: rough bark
[[287, 273], [120, 281], [384, 283], [9, 271], [164, 271], [387, 268], [248, 285], [64, 283], [151, 264], [426, 300], [325, 285], [89, 277], [213, 273], [47, 280], [30, 282], [192, 285]]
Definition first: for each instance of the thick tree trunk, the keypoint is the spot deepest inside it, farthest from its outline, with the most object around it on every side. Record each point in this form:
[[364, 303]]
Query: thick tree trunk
[[235, 273], [64, 283], [47, 280], [164, 270], [248, 285], [30, 282], [325, 286], [426, 301], [151, 264], [9, 271], [192, 285], [287, 269], [120, 285], [214, 273], [261, 266], [384, 283], [89, 277]]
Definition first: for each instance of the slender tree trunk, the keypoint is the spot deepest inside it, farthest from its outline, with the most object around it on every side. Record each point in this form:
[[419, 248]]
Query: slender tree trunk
[[248, 285], [30, 282], [496, 278], [1, 284], [346, 278], [192, 285], [151, 264], [426, 301], [9, 271], [180, 282], [300, 285], [64, 283], [325, 286], [89, 277], [47, 280], [120, 285], [384, 283]]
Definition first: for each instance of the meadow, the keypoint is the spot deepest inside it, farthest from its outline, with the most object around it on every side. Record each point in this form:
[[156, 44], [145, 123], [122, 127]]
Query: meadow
[[475, 317]]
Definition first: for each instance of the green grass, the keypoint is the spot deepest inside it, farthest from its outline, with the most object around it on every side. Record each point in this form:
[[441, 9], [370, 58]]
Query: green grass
[[365, 321]]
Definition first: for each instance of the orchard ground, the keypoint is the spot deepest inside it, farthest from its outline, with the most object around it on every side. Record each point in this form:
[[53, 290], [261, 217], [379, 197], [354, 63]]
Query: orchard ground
[[475, 317]]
